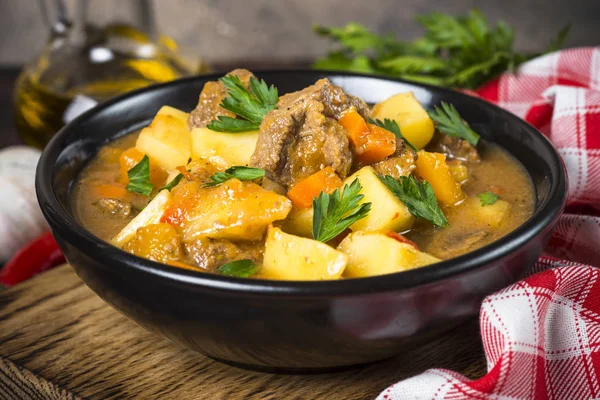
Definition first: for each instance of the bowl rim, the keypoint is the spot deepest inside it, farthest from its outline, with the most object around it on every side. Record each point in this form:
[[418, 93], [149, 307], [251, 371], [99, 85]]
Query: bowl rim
[[66, 225]]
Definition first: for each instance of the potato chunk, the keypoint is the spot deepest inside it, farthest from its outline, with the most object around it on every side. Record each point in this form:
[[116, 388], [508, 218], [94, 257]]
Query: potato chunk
[[223, 149], [387, 212], [149, 215], [299, 222], [233, 210], [156, 242], [167, 139], [414, 122], [289, 257], [374, 253], [491, 215]]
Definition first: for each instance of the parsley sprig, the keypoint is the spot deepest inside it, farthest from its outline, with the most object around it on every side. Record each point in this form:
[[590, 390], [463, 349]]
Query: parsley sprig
[[393, 127], [249, 105], [333, 213], [459, 51], [139, 178], [239, 268], [418, 197], [240, 172], [174, 182], [487, 198], [449, 121]]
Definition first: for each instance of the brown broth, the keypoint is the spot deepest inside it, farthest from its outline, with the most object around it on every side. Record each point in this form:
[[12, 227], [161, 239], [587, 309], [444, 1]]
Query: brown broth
[[497, 169]]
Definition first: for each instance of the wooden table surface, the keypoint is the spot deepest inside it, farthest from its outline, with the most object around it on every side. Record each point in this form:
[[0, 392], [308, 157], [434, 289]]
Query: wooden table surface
[[66, 337]]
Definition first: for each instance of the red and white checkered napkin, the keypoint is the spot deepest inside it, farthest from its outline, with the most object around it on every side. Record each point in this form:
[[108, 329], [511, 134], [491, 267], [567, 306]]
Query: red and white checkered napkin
[[541, 336]]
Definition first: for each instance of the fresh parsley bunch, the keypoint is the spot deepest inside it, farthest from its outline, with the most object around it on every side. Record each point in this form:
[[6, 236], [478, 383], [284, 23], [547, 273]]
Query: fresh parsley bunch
[[463, 52]]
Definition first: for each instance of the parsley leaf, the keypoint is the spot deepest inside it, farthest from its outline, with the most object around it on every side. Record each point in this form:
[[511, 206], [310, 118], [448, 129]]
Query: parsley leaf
[[417, 196], [459, 51], [411, 64], [335, 212], [239, 268], [240, 172], [488, 198], [558, 42], [174, 182], [139, 178], [250, 105], [448, 121], [341, 61], [392, 126]]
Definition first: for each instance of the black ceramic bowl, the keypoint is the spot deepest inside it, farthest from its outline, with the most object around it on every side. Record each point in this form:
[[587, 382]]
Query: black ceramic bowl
[[295, 325]]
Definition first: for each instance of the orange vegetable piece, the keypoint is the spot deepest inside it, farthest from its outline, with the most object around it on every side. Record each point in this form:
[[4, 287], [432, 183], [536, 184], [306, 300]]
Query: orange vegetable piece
[[303, 192], [371, 143], [156, 242], [179, 264], [110, 191], [186, 174], [130, 157], [496, 189], [432, 167]]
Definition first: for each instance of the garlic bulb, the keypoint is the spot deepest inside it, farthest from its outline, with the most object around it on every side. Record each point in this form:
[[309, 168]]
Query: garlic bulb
[[21, 219]]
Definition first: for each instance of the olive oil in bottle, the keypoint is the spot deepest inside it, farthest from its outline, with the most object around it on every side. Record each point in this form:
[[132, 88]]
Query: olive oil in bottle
[[84, 64]]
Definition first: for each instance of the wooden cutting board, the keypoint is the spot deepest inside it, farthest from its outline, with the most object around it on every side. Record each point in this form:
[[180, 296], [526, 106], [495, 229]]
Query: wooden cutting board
[[59, 340]]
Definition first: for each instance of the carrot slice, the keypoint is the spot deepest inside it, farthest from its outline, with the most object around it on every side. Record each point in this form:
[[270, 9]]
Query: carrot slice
[[303, 193], [179, 264], [380, 144], [355, 126], [371, 143], [432, 167], [129, 159]]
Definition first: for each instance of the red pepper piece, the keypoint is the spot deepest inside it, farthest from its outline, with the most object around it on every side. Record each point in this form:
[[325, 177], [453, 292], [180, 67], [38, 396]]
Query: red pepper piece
[[40, 254], [402, 239]]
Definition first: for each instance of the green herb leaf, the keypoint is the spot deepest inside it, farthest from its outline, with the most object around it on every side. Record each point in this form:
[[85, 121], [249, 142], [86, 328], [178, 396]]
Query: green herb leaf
[[354, 37], [335, 212], [139, 178], [174, 182], [418, 197], [249, 105], [488, 198], [231, 125], [392, 126], [460, 51], [558, 42], [240, 172], [340, 61], [449, 121], [411, 64], [239, 268], [447, 31]]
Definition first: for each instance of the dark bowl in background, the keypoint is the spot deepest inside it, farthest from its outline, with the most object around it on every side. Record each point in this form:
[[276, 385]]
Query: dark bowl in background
[[295, 326]]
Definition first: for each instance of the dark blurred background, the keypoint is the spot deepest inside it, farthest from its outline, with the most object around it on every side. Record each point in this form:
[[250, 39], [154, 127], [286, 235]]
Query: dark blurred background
[[231, 30]]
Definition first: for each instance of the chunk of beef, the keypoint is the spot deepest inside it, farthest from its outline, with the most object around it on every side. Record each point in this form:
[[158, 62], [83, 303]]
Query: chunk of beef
[[209, 103], [302, 136], [454, 148], [401, 163], [333, 98], [116, 207], [210, 254]]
